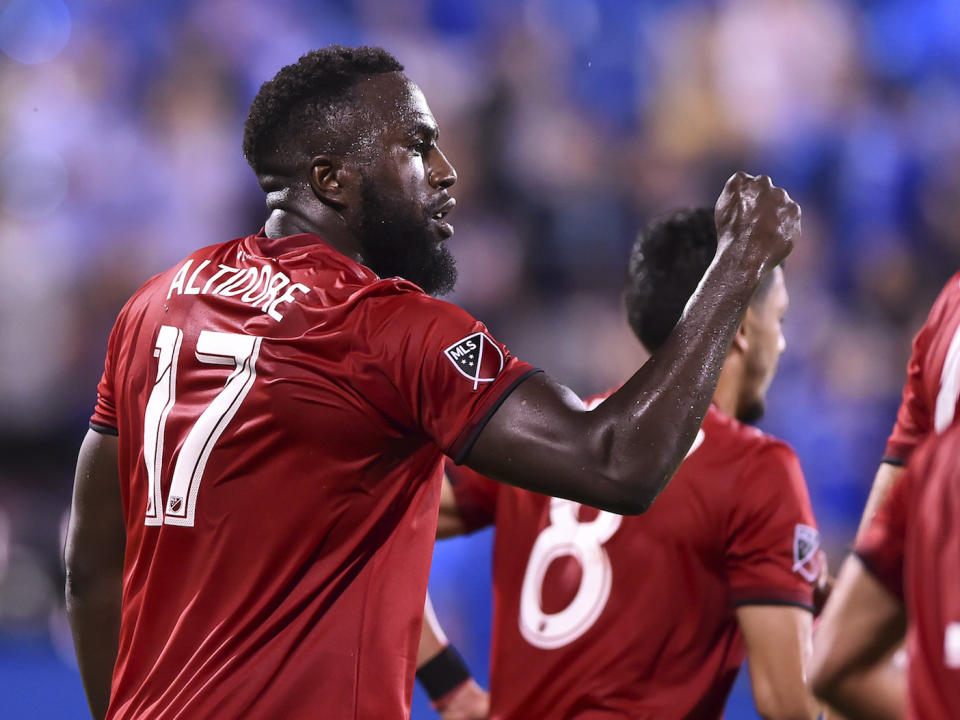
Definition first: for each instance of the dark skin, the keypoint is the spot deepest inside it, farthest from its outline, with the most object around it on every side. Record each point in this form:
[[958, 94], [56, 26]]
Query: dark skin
[[617, 457], [94, 561]]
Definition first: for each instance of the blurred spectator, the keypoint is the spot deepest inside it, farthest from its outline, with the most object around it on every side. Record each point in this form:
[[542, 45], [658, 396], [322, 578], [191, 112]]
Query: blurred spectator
[[571, 122]]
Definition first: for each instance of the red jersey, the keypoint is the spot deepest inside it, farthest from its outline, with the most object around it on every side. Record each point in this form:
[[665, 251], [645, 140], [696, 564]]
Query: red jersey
[[932, 389], [598, 615], [282, 414], [912, 546]]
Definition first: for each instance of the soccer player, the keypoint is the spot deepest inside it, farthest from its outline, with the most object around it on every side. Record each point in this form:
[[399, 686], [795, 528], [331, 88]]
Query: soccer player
[[903, 580], [930, 394], [256, 501], [854, 667], [599, 615]]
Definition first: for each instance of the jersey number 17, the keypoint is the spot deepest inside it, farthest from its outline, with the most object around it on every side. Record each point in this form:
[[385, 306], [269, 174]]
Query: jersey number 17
[[238, 352]]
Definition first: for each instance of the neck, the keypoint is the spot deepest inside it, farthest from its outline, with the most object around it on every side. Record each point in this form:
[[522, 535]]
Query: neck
[[728, 388], [291, 218]]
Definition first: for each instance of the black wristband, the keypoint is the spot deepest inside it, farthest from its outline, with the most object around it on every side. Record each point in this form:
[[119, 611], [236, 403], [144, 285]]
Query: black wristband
[[442, 673]]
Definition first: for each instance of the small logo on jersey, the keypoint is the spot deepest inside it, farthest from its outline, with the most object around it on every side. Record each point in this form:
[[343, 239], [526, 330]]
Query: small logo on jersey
[[806, 542], [174, 504], [477, 358]]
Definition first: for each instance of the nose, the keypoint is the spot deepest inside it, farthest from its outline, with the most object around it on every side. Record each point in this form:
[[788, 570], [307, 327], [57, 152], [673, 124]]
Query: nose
[[442, 173]]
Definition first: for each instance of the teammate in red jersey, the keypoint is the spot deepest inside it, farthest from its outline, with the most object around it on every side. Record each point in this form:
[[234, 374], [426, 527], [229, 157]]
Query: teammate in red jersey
[[906, 565], [255, 503], [855, 669], [599, 615], [930, 394]]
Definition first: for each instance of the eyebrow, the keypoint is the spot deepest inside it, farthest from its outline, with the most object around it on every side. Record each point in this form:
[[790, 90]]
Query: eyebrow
[[421, 128]]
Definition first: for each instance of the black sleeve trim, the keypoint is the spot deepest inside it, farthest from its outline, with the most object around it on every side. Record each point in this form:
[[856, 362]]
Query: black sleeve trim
[[896, 462], [468, 445], [772, 601], [103, 429]]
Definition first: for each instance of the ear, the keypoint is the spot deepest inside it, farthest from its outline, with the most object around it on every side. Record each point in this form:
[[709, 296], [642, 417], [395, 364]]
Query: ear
[[740, 341], [333, 180]]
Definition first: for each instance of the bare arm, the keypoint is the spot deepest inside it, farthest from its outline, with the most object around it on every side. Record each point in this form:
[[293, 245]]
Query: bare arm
[[861, 627], [778, 649], [619, 456], [432, 637], [463, 699], [886, 477], [449, 523], [94, 561]]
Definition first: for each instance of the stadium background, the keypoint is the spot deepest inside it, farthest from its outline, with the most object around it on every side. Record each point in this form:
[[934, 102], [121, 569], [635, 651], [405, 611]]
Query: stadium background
[[571, 122]]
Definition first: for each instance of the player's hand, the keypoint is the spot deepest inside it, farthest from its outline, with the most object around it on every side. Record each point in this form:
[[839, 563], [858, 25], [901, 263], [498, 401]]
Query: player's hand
[[467, 702], [756, 221]]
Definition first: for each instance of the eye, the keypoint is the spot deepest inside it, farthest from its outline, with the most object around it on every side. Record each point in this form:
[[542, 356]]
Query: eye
[[422, 146]]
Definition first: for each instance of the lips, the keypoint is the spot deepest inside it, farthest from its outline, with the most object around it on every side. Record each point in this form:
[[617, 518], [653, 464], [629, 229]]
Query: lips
[[439, 215]]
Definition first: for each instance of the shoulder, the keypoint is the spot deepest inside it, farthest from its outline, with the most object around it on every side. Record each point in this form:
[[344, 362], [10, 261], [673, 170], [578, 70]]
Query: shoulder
[[769, 465], [946, 308], [403, 300]]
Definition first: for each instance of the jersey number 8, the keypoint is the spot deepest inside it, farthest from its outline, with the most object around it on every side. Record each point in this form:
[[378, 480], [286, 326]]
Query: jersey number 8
[[567, 536]]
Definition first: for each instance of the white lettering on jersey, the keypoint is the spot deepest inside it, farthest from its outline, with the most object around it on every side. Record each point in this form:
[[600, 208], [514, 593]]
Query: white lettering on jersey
[[951, 645], [259, 288], [949, 392]]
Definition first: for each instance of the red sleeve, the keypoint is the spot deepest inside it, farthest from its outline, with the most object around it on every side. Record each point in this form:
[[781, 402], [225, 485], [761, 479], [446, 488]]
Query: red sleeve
[[772, 540], [476, 496], [450, 372], [914, 417], [881, 546], [104, 418]]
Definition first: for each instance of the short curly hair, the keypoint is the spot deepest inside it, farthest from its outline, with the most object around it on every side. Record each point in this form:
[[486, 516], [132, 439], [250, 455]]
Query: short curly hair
[[308, 94], [667, 262]]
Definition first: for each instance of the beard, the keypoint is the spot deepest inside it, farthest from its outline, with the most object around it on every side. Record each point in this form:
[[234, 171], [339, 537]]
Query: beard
[[396, 240], [751, 412]]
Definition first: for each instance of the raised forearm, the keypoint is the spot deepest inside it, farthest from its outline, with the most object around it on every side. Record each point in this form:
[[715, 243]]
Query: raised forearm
[[644, 430], [619, 456]]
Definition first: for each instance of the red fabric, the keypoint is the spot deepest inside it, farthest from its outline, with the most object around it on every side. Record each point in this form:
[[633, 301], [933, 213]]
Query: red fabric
[[925, 375], [658, 637], [919, 519], [299, 590], [475, 494]]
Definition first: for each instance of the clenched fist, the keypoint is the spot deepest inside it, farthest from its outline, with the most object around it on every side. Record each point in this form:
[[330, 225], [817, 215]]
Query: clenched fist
[[756, 221]]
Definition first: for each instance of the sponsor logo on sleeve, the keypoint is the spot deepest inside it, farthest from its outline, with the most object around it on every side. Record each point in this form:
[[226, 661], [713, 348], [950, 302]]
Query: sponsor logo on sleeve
[[477, 358], [806, 542]]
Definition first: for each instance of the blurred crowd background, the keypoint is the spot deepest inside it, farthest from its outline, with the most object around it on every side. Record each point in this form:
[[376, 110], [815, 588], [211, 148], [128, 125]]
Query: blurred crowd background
[[571, 123]]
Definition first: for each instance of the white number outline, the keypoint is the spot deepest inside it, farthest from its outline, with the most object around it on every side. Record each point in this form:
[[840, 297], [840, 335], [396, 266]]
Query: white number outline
[[949, 392], [567, 536], [215, 348], [584, 541]]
